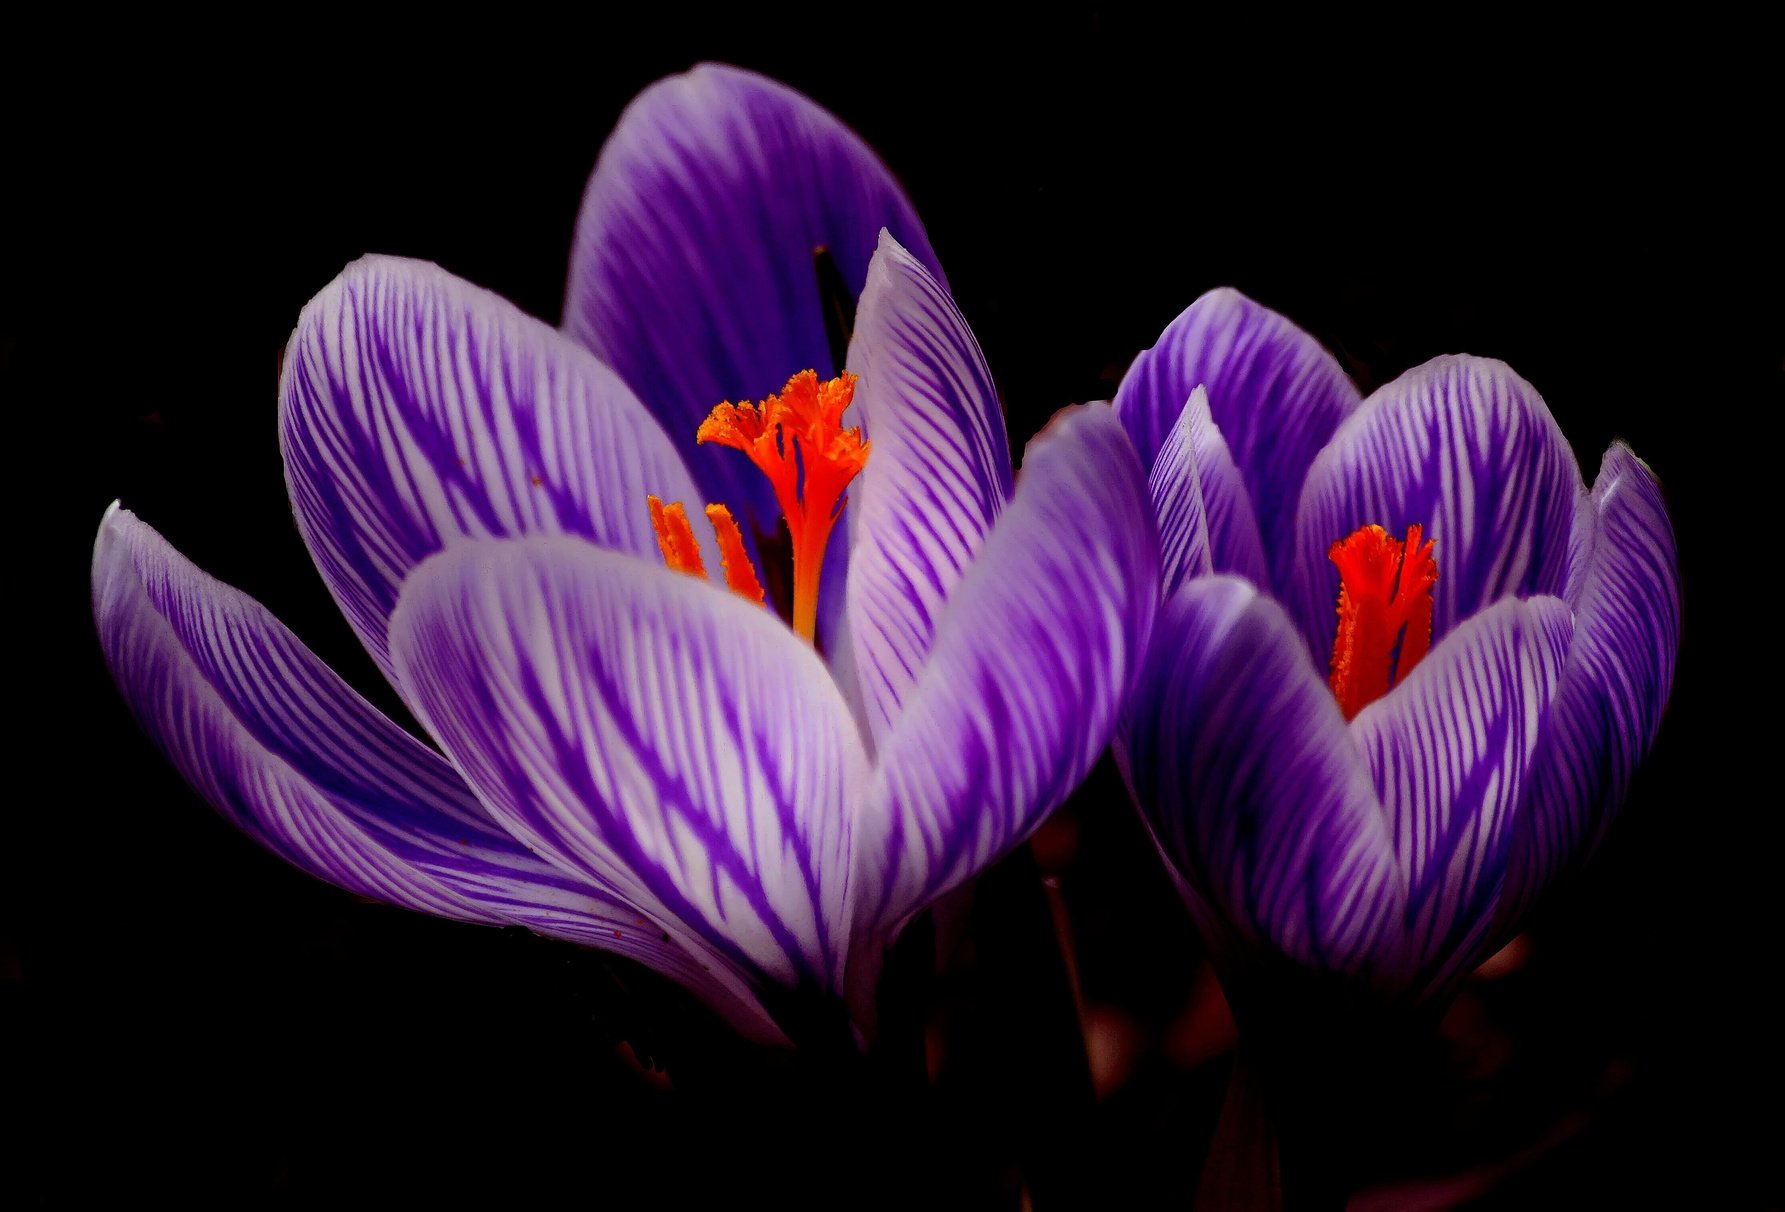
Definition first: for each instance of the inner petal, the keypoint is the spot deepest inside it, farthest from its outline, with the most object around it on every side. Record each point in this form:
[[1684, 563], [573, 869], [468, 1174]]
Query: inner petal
[[1467, 449]]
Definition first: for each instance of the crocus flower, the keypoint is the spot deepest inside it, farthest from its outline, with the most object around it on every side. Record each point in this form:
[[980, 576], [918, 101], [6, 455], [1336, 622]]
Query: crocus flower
[[639, 754], [1407, 661]]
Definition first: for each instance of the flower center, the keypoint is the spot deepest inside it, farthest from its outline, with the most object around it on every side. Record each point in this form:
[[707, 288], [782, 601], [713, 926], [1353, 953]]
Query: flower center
[[798, 441], [1385, 613]]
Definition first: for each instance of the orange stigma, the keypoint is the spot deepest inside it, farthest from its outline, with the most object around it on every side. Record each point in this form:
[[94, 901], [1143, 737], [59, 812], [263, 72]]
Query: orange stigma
[[798, 441], [1385, 613]]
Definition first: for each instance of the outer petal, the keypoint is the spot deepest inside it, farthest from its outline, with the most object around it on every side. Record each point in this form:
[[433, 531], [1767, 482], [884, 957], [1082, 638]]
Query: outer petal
[[1037, 649], [1275, 393], [1465, 448], [692, 272], [668, 737], [416, 408], [936, 480], [1205, 517], [1626, 596], [291, 755], [1449, 749], [1252, 785]]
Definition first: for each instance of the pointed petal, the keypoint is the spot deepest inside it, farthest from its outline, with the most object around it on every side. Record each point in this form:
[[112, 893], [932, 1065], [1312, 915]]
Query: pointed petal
[[1448, 750], [670, 738], [416, 408], [1276, 395], [1205, 518], [936, 480], [1465, 448], [287, 752], [692, 273], [1244, 769], [1619, 673], [1176, 487], [1033, 657]]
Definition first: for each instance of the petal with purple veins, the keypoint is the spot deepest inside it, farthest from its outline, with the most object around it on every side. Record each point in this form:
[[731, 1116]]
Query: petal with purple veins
[[672, 739], [936, 480], [286, 751], [1626, 596], [1033, 657], [1449, 749], [1275, 394], [1465, 448], [1256, 792], [692, 271], [416, 409], [1205, 518]]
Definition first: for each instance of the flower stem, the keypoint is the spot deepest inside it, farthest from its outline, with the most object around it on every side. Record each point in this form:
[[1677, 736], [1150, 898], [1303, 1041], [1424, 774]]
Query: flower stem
[[1316, 1075], [1033, 1034], [1244, 1167]]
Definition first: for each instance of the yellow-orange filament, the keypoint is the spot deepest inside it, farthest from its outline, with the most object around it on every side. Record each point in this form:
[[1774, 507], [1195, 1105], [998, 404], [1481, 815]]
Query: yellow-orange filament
[[676, 537], [740, 574], [1385, 613], [798, 441]]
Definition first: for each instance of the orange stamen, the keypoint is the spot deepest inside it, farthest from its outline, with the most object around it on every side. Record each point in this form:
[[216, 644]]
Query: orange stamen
[[1385, 600], [681, 550], [798, 441], [740, 574], [676, 537]]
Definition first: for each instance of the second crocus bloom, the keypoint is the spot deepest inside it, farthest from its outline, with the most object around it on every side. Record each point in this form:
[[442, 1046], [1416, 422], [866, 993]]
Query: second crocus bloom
[[1407, 660]]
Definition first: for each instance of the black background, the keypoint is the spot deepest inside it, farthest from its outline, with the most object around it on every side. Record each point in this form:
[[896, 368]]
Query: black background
[[187, 1014]]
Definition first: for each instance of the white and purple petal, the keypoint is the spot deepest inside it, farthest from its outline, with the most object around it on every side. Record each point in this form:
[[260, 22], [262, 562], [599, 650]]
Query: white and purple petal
[[1448, 751], [936, 481], [1465, 448], [290, 754], [1274, 392], [692, 273], [416, 409], [1626, 597], [672, 739], [1205, 517], [1245, 771], [1033, 657]]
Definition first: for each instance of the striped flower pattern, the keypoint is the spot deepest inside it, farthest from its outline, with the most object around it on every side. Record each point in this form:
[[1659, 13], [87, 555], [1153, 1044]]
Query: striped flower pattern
[[1395, 848], [629, 757]]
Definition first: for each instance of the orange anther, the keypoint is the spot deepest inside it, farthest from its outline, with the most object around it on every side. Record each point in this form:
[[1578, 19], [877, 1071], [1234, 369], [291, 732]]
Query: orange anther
[[740, 574], [676, 537]]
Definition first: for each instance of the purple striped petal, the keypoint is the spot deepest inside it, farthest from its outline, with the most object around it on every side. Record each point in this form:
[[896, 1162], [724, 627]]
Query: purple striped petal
[[1205, 518], [1245, 770], [1033, 657], [417, 408], [1626, 596], [668, 737], [936, 480], [1176, 486], [1276, 395], [1448, 751], [286, 751], [1465, 448], [692, 271]]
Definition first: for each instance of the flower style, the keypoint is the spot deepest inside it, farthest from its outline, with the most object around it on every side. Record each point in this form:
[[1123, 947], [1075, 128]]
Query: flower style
[[1381, 794], [635, 758]]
